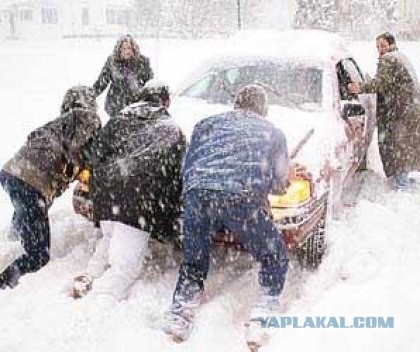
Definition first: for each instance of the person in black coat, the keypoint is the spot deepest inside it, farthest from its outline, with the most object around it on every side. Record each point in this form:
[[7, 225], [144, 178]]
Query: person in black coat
[[126, 71], [135, 187]]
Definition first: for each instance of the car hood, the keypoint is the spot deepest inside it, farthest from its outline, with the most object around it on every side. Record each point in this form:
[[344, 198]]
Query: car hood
[[295, 124]]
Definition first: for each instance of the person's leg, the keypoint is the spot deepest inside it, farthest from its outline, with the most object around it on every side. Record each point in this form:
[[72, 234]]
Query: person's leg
[[199, 225], [32, 225], [250, 221], [127, 249], [99, 261], [400, 182], [30, 222]]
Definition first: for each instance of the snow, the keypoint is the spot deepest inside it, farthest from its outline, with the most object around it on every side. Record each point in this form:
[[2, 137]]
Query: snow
[[370, 269], [299, 44]]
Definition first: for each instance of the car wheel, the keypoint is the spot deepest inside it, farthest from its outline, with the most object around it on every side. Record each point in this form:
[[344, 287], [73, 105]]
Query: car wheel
[[312, 250], [310, 253]]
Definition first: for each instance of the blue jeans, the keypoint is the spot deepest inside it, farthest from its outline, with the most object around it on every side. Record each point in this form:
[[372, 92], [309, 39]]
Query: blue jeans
[[30, 222], [209, 212], [402, 183]]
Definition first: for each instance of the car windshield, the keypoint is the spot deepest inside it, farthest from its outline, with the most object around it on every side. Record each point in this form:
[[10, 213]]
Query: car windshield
[[288, 84]]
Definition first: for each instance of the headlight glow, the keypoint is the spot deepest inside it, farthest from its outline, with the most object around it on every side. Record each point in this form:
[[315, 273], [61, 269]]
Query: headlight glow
[[297, 193], [84, 176]]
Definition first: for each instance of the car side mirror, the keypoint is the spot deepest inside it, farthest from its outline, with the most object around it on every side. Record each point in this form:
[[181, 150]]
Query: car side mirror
[[352, 109]]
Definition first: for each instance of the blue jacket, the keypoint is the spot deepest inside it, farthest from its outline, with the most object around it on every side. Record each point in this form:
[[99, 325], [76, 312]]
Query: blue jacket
[[238, 152]]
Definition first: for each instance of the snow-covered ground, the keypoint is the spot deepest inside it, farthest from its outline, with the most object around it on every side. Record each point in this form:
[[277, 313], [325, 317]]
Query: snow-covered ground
[[370, 269]]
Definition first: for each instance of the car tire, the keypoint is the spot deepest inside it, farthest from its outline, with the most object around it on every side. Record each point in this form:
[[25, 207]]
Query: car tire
[[310, 253], [312, 250]]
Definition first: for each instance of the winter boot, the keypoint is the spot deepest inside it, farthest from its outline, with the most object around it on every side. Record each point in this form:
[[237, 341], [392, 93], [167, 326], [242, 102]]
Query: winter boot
[[82, 285], [10, 277], [179, 320]]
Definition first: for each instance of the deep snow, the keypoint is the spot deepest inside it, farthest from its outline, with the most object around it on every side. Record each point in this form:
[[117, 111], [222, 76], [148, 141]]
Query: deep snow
[[370, 269]]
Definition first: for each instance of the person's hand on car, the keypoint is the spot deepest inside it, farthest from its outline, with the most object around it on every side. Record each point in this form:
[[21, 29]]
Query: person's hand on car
[[299, 172], [353, 88]]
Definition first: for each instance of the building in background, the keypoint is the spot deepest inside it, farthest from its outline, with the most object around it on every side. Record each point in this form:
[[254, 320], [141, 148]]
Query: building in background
[[211, 18], [356, 19], [47, 19]]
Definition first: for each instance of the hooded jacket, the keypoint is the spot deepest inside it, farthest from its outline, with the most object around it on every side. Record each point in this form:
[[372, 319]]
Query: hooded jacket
[[136, 163], [50, 158]]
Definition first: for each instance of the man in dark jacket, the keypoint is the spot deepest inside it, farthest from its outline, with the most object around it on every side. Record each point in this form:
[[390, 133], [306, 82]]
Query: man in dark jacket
[[235, 159], [136, 188], [398, 111], [126, 70], [40, 171]]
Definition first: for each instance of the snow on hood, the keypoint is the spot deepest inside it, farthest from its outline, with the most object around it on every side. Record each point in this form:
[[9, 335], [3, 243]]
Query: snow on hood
[[296, 124]]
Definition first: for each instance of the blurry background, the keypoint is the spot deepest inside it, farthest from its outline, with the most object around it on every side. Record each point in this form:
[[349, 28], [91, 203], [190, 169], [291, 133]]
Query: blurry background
[[356, 19]]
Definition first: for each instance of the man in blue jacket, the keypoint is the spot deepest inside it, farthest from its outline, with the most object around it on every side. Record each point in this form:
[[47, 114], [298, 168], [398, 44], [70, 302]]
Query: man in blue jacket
[[234, 161]]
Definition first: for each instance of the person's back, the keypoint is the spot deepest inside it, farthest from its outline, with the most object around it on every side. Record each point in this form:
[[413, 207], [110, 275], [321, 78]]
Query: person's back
[[137, 169], [136, 186], [235, 152], [47, 159]]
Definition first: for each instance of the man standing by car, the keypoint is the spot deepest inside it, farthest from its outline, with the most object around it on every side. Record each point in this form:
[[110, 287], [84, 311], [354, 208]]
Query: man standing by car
[[136, 188], [235, 159], [398, 111]]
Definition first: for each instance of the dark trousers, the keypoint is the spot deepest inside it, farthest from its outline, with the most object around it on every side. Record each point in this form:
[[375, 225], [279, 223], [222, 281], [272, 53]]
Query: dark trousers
[[208, 212], [30, 222]]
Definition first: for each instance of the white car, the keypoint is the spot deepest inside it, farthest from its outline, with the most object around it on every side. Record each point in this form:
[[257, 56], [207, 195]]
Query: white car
[[305, 74]]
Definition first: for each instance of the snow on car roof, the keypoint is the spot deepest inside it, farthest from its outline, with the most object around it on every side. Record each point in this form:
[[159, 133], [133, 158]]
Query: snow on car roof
[[316, 45], [308, 47]]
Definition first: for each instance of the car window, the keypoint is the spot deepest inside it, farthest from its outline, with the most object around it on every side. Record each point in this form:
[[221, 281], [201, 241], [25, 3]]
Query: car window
[[201, 88], [232, 75], [291, 85], [287, 84]]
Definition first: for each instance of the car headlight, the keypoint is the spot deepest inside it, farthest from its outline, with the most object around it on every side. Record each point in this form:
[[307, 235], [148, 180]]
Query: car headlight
[[84, 176], [298, 192]]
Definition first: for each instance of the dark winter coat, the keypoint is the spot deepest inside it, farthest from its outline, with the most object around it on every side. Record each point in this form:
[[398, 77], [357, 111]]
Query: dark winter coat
[[126, 78], [137, 170], [398, 113], [237, 152], [50, 158]]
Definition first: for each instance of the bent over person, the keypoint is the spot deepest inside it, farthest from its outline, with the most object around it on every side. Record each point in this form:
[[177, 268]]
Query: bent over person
[[136, 186], [234, 161], [125, 71], [40, 171]]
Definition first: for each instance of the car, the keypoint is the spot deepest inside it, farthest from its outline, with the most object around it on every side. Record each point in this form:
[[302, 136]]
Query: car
[[305, 74]]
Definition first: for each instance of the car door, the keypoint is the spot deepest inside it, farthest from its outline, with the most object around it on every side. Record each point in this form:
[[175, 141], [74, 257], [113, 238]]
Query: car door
[[358, 112]]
